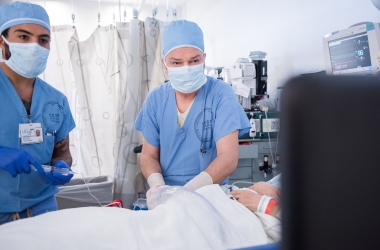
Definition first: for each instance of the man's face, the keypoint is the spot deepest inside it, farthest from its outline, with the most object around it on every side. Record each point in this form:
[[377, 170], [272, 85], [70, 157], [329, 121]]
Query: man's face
[[25, 33], [38, 133], [185, 56]]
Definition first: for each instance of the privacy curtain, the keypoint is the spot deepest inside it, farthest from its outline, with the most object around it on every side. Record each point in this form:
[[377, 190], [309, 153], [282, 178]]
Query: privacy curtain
[[139, 51], [59, 74], [106, 79]]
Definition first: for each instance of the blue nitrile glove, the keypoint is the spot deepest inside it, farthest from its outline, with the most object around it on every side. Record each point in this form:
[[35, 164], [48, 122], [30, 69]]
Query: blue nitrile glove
[[58, 179], [16, 161]]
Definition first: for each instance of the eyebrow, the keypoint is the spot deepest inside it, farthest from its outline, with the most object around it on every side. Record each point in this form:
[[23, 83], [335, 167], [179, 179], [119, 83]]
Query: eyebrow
[[175, 59], [194, 57], [27, 32]]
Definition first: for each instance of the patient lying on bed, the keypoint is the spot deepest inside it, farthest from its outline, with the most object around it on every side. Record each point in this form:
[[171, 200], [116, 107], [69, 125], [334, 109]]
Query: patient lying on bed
[[181, 219], [260, 197]]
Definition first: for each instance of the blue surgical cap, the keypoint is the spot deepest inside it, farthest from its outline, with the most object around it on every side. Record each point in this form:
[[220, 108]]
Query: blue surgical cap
[[20, 13], [181, 33]]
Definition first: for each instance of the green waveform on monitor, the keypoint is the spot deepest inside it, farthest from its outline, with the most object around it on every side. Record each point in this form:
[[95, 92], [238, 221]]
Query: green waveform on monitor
[[361, 41]]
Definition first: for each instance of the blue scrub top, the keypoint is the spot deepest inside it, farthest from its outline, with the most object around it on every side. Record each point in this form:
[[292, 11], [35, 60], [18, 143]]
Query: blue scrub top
[[50, 108], [214, 114]]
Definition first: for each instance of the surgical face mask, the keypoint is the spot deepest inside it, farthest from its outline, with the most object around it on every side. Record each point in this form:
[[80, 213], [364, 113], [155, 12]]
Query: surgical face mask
[[27, 59], [187, 79]]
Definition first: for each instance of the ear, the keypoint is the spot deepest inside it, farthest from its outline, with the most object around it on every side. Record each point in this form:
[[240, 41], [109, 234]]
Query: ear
[[204, 61], [163, 64], [2, 46], [2, 43]]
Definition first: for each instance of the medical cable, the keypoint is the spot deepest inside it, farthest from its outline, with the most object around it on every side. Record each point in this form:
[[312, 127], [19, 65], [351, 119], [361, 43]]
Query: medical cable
[[270, 146], [262, 88], [278, 133], [245, 182], [251, 190], [88, 188], [65, 171]]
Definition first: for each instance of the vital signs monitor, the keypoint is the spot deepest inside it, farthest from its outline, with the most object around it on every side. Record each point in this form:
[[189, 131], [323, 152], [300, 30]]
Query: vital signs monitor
[[355, 50]]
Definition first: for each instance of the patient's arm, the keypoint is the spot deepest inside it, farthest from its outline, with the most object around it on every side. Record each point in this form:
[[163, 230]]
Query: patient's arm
[[264, 188], [251, 201]]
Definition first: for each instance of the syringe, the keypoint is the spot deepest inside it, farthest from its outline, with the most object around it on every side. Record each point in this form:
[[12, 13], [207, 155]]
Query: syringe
[[52, 169]]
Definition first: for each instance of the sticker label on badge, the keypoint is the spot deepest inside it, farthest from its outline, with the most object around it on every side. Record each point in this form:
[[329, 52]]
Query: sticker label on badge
[[31, 133]]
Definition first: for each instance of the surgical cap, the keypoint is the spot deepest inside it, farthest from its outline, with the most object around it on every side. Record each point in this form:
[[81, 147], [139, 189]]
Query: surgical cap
[[20, 13], [181, 33]]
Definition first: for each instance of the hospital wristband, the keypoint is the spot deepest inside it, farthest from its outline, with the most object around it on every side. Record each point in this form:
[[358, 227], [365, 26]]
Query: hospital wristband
[[271, 204], [263, 204]]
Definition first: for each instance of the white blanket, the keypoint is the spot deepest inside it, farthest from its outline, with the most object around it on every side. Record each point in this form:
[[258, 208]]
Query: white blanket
[[183, 220]]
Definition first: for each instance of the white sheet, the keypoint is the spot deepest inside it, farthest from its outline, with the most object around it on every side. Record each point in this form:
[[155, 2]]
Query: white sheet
[[183, 220]]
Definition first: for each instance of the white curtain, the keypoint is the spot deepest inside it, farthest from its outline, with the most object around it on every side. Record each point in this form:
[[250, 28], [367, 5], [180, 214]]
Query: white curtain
[[106, 79], [94, 66], [139, 50], [152, 76], [130, 40], [59, 73], [153, 67]]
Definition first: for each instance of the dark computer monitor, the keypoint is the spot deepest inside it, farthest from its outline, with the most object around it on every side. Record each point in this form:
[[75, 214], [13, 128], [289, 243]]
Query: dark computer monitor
[[331, 163]]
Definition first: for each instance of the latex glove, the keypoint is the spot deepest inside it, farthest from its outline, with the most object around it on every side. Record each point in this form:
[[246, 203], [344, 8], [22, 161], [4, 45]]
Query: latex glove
[[16, 161], [58, 179], [247, 198], [155, 181], [264, 188], [151, 190], [201, 180]]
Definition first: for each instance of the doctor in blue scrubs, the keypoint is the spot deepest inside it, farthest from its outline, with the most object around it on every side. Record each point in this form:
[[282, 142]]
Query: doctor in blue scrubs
[[35, 117], [190, 124]]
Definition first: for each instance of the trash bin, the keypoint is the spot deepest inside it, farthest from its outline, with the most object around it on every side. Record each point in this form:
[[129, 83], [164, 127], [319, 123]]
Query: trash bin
[[75, 193]]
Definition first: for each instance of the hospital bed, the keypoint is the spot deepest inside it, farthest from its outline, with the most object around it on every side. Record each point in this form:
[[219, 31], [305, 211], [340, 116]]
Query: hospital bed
[[181, 219]]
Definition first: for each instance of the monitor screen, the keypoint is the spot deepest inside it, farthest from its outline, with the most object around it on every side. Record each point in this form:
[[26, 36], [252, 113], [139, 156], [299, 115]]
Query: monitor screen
[[350, 54]]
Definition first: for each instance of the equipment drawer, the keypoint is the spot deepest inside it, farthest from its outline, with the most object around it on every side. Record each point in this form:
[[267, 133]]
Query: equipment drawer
[[242, 173], [264, 147], [248, 151]]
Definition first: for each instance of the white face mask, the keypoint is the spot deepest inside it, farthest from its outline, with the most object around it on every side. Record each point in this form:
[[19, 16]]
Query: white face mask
[[187, 79], [27, 59]]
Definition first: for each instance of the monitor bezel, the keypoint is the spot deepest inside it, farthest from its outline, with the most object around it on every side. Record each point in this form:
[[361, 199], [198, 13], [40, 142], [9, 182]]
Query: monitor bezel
[[372, 30]]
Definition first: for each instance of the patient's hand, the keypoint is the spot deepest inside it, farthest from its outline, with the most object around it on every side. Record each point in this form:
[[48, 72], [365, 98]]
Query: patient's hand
[[247, 198], [264, 188]]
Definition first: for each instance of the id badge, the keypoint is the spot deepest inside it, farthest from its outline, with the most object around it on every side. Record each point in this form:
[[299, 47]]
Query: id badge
[[31, 133]]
